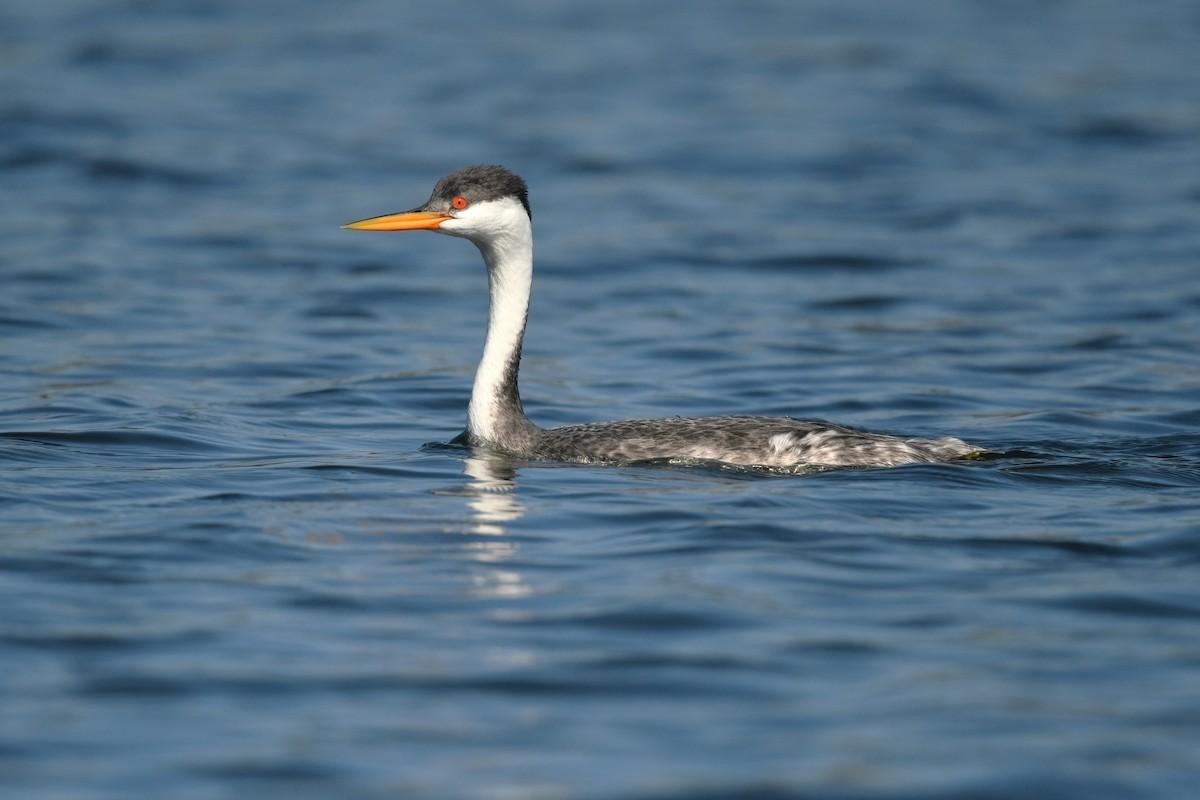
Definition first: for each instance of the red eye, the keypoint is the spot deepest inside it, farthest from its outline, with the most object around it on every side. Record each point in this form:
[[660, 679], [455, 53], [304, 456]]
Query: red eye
[[460, 202]]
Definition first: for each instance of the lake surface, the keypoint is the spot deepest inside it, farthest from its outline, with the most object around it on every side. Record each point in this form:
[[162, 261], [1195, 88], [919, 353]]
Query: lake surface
[[238, 560]]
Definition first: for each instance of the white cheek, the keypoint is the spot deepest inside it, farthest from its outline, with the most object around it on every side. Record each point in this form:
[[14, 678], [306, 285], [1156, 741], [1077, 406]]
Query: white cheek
[[454, 227], [464, 223], [488, 218]]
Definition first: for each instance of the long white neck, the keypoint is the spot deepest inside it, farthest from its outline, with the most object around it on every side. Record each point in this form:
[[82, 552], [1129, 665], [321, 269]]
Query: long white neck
[[495, 414]]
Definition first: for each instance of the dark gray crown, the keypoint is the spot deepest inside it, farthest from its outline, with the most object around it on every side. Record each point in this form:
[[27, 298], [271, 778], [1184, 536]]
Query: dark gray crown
[[479, 184]]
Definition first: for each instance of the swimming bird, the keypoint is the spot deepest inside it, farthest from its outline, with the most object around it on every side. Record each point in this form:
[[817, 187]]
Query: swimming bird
[[489, 206]]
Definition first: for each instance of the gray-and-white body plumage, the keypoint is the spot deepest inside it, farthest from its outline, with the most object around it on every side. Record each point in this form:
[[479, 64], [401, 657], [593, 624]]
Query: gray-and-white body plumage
[[490, 206]]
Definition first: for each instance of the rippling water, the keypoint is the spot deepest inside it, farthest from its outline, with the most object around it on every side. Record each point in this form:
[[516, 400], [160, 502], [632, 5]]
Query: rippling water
[[235, 561]]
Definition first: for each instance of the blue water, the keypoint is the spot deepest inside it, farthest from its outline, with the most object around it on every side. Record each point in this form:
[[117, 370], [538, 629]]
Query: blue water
[[232, 564]]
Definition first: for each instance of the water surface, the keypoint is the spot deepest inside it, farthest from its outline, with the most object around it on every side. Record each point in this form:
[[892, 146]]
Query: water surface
[[233, 564]]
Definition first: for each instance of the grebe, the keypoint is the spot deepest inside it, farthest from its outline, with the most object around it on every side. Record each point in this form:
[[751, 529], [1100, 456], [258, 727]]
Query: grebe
[[490, 206]]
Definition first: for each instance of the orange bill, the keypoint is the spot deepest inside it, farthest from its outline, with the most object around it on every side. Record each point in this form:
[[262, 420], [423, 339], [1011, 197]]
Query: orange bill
[[406, 221]]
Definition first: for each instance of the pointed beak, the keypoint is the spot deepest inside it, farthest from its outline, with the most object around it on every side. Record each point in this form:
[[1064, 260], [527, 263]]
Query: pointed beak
[[406, 221]]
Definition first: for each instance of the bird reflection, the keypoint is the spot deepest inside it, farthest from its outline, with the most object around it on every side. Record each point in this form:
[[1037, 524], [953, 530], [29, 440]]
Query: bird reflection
[[494, 504], [492, 495]]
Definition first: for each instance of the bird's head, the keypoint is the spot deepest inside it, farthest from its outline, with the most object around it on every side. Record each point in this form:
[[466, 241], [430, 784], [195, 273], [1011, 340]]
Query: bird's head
[[483, 204]]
